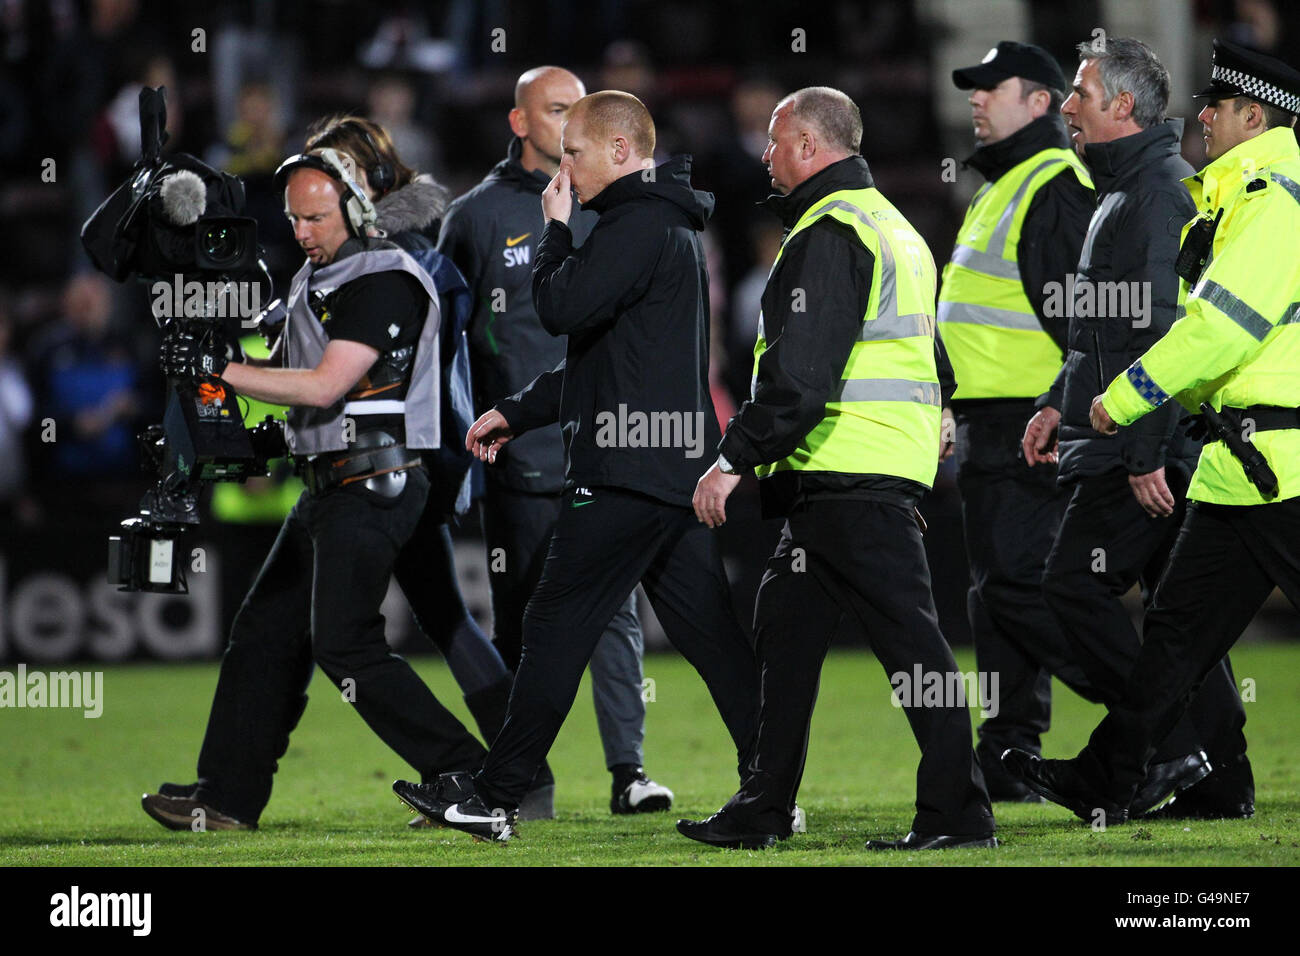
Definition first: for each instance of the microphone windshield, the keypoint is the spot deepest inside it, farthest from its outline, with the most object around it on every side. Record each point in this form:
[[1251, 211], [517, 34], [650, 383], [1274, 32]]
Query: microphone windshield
[[184, 197]]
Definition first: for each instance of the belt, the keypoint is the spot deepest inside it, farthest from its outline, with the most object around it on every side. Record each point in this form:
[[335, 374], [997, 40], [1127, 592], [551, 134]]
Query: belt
[[374, 453], [1265, 418]]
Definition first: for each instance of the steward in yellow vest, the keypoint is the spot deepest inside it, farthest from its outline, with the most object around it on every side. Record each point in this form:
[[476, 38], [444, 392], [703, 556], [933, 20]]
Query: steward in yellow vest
[[1005, 328], [842, 430]]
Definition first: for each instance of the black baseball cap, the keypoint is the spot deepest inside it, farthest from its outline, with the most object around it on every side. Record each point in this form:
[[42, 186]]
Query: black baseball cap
[[1008, 59], [1238, 71]]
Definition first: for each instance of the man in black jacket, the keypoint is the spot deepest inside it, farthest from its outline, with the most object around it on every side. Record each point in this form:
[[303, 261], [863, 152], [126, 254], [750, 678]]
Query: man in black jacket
[[632, 397], [491, 233], [1006, 345], [1129, 491]]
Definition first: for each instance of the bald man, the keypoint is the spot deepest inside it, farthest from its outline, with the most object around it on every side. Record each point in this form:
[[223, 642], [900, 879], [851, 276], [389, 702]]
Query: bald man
[[841, 430], [632, 398], [318, 594], [491, 234]]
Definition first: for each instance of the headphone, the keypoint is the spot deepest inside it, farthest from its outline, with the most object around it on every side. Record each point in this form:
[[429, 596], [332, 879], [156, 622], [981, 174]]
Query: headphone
[[358, 211], [381, 174]]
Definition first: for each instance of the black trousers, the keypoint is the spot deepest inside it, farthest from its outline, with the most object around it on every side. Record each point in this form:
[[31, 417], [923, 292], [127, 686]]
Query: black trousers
[[856, 567], [1010, 516], [317, 598], [1224, 565], [602, 546], [1106, 544]]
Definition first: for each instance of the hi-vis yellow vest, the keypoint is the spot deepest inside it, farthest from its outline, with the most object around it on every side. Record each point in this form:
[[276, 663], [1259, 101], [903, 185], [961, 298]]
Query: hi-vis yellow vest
[[996, 344], [883, 419], [1237, 339]]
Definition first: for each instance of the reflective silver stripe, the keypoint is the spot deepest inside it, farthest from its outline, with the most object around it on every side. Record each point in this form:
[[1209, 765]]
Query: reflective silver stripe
[[888, 301], [991, 265], [1234, 308], [968, 314], [1292, 314], [886, 390], [1288, 184], [377, 406], [998, 241], [897, 327], [1179, 312]]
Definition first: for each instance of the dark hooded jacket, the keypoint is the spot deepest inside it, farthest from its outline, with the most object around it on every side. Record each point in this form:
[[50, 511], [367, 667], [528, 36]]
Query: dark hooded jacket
[[1133, 241], [491, 233], [634, 303]]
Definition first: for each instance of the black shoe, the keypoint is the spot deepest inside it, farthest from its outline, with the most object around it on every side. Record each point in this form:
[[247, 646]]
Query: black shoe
[[1061, 783], [634, 792], [1002, 787], [1169, 777], [452, 801], [1189, 806], [1226, 794], [936, 841], [185, 813], [721, 830], [538, 803], [185, 790]]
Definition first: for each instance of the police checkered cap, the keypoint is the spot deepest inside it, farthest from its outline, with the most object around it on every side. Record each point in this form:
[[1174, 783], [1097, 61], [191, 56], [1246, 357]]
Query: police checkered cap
[[1241, 72]]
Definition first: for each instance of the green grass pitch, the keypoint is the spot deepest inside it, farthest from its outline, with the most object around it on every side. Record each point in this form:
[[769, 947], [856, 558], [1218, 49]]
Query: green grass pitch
[[70, 786]]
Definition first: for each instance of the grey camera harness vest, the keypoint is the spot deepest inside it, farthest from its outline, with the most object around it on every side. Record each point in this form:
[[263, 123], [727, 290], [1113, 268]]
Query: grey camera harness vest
[[326, 452]]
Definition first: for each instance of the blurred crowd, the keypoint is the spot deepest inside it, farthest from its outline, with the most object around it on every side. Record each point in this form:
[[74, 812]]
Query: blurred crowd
[[245, 78]]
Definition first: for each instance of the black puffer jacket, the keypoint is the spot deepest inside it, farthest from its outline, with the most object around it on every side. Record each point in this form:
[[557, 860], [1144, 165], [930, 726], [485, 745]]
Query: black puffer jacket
[[634, 303], [1124, 299]]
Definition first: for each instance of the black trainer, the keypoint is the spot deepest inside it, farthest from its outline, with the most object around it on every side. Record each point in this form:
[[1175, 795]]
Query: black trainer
[[452, 801], [633, 792]]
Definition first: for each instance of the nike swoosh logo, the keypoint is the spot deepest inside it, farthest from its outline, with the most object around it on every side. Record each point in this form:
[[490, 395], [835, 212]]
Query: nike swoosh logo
[[579, 504], [453, 815], [514, 242]]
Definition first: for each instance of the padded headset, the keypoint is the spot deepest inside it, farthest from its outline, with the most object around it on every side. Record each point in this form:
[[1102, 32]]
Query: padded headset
[[381, 174], [358, 211]]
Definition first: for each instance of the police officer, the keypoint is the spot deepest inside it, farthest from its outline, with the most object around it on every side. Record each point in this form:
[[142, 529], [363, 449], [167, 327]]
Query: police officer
[[841, 431], [362, 320], [1235, 349], [1020, 240], [491, 233]]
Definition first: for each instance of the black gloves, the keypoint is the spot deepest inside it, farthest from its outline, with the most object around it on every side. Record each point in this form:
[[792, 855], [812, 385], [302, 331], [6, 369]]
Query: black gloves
[[195, 353]]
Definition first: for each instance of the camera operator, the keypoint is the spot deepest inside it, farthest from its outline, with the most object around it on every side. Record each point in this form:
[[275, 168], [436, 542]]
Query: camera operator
[[357, 364]]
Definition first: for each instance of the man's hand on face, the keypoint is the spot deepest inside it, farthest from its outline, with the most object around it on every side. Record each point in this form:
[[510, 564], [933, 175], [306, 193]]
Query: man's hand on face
[[711, 493], [557, 200]]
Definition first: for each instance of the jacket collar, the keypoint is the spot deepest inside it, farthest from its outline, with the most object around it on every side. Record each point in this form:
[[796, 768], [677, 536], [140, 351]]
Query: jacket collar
[[1119, 158], [511, 169], [849, 173], [993, 160], [1216, 183]]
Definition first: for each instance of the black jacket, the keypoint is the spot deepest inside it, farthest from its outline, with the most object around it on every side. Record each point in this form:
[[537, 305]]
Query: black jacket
[[492, 234], [1141, 209], [634, 303], [808, 349]]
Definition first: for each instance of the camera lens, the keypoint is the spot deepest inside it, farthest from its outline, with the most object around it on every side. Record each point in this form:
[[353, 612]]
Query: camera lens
[[221, 243]]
